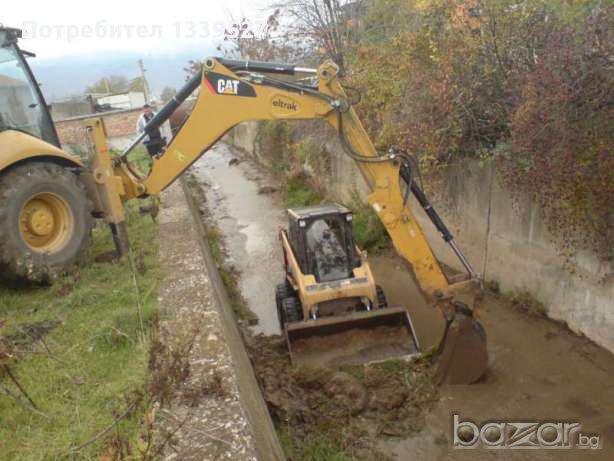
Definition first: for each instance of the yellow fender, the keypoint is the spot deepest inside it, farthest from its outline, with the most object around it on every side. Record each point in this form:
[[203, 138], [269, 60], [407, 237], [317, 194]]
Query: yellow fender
[[16, 146]]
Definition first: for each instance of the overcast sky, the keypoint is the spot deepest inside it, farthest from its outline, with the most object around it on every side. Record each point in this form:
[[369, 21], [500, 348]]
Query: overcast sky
[[63, 27]]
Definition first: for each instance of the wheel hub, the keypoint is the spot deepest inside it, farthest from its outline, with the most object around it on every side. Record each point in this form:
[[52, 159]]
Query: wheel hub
[[41, 221], [45, 222]]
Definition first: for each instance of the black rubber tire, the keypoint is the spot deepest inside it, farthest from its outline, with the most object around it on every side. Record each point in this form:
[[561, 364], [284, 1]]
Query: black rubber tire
[[292, 309], [17, 260], [381, 297], [282, 291]]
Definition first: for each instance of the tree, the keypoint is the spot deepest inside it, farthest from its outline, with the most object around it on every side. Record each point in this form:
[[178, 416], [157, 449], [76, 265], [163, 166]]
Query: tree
[[265, 43], [193, 67], [324, 23], [167, 94], [111, 84], [137, 84]]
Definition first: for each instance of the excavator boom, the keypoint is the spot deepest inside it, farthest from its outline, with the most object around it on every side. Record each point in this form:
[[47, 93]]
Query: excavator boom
[[231, 92]]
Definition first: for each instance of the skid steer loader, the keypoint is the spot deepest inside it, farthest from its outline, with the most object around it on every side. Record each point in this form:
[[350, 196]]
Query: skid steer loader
[[50, 198], [329, 307]]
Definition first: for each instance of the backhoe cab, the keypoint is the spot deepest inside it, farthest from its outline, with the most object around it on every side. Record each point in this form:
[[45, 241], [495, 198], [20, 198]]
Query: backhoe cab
[[45, 208], [329, 307], [22, 106]]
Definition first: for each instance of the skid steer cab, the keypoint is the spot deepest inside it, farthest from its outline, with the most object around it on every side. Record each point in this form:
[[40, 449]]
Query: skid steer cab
[[329, 307]]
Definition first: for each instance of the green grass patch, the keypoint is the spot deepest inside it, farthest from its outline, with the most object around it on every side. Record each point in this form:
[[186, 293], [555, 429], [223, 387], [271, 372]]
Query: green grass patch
[[369, 232], [298, 193], [90, 361], [227, 272]]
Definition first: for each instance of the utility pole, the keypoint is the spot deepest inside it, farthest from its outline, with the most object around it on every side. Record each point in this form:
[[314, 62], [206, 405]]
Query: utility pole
[[144, 79]]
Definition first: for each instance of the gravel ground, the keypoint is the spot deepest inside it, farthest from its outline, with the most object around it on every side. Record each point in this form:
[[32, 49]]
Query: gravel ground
[[211, 424]]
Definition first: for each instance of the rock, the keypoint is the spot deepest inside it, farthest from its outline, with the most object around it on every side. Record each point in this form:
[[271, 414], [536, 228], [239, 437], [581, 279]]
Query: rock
[[262, 190], [233, 161], [343, 386]]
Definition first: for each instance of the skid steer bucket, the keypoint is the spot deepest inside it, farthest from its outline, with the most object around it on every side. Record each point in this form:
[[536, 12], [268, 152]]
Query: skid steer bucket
[[352, 339]]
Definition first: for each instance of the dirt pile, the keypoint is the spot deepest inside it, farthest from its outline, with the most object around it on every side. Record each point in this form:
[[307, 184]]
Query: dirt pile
[[354, 405]]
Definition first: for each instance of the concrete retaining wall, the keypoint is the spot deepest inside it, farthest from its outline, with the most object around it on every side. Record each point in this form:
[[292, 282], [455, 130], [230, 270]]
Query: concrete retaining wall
[[506, 241]]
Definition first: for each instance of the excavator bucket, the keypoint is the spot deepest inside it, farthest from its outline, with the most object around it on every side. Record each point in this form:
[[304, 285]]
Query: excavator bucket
[[352, 339], [463, 356]]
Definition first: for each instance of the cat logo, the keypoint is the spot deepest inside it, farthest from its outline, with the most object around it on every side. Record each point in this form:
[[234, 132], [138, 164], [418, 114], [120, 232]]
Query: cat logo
[[227, 86], [220, 84]]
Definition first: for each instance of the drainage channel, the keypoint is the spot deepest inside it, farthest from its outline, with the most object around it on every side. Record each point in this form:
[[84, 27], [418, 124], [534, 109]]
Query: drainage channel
[[265, 437], [242, 203], [247, 211]]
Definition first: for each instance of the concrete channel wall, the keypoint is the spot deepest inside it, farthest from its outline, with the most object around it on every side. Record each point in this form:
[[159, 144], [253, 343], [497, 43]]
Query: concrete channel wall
[[264, 436], [506, 241]]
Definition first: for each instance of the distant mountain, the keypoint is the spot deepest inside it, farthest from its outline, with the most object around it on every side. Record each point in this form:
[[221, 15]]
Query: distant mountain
[[68, 76]]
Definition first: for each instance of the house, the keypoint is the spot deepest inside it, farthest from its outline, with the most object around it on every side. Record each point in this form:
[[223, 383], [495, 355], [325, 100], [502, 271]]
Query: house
[[123, 101]]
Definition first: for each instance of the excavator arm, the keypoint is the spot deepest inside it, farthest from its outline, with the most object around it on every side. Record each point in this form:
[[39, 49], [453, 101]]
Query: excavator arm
[[231, 92], [234, 93]]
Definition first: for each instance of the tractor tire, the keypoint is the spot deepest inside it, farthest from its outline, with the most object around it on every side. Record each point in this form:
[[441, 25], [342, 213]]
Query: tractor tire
[[281, 292], [382, 302], [292, 310], [45, 222]]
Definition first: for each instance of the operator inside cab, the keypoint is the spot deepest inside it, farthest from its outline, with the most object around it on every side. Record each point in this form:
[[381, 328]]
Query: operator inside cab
[[154, 142]]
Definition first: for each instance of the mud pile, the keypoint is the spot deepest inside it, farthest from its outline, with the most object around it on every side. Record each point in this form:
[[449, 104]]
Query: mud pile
[[353, 405]]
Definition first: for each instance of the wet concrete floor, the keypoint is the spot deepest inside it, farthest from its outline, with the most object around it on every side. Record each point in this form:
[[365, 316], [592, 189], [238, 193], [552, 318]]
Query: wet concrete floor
[[250, 223], [539, 371]]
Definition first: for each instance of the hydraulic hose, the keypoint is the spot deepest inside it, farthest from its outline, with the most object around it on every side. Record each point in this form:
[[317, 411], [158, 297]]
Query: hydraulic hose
[[166, 111]]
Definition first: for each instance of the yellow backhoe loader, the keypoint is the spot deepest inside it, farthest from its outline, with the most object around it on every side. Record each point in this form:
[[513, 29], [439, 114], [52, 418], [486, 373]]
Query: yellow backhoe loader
[[48, 198]]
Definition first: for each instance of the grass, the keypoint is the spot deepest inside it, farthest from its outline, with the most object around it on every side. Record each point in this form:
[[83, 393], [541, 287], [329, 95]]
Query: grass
[[298, 193], [369, 232], [227, 272], [315, 447], [92, 366]]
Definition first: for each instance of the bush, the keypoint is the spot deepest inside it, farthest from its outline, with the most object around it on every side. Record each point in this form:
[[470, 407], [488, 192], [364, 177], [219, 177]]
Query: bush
[[369, 232], [273, 140], [449, 80], [298, 193], [562, 135]]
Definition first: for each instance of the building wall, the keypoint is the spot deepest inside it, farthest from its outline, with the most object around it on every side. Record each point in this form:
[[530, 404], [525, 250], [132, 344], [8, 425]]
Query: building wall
[[126, 101], [120, 126], [505, 240], [68, 109]]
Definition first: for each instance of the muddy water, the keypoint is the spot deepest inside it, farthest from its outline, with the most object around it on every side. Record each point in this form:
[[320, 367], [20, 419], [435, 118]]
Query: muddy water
[[539, 371], [401, 290], [250, 224]]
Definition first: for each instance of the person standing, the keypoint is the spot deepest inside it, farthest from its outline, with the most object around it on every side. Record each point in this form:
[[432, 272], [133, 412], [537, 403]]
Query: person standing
[[154, 142]]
